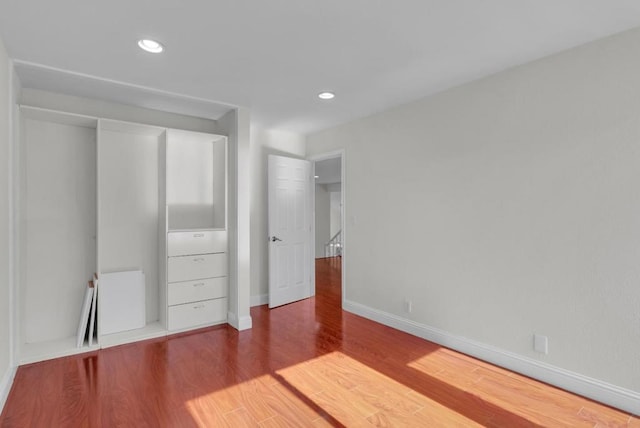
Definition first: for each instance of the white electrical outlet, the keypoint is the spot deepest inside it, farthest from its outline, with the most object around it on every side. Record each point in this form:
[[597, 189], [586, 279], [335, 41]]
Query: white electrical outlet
[[541, 344], [408, 305]]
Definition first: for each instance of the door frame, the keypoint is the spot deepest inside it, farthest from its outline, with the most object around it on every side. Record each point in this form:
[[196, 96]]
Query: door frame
[[340, 153]]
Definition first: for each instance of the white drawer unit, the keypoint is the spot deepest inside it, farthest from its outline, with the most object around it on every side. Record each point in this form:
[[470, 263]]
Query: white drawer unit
[[185, 268], [198, 290], [197, 282], [186, 243], [196, 314]]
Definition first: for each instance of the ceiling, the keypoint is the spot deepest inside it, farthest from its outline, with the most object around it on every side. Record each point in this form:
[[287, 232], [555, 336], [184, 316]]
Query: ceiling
[[275, 56]]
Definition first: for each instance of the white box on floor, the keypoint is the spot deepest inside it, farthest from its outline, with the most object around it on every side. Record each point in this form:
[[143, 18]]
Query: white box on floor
[[121, 301]]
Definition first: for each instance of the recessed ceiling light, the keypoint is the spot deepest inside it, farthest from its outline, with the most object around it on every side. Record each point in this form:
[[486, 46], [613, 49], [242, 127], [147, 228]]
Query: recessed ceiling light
[[316, 176], [326, 95], [150, 45]]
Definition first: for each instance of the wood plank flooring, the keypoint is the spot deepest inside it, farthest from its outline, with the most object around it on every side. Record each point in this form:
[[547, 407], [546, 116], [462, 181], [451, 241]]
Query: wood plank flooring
[[304, 364]]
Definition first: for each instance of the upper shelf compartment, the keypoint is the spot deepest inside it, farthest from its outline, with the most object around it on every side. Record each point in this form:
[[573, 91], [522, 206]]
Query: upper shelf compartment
[[196, 180]]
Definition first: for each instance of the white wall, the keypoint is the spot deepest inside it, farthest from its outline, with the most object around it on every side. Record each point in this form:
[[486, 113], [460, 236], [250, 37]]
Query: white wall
[[323, 218], [5, 238], [264, 143], [335, 221], [58, 214], [515, 209]]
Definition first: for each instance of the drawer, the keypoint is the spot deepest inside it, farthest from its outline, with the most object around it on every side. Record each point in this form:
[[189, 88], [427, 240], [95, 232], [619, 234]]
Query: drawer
[[186, 268], [197, 314], [194, 291], [196, 242]]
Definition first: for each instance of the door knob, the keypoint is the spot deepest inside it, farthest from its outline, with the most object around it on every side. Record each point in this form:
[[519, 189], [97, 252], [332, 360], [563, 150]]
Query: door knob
[[275, 238]]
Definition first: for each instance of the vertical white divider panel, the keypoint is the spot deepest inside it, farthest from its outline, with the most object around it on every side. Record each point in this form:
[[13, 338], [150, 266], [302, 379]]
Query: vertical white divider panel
[[98, 222], [97, 166], [162, 230]]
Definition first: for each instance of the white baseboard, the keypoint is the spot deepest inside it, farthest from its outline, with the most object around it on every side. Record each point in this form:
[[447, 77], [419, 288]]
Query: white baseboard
[[5, 386], [259, 300], [232, 320], [243, 323], [595, 389]]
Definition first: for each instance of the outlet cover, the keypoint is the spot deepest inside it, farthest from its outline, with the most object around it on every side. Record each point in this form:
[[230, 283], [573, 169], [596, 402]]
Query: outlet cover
[[541, 344]]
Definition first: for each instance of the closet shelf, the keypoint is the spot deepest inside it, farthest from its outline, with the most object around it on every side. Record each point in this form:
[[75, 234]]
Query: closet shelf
[[34, 352], [150, 331]]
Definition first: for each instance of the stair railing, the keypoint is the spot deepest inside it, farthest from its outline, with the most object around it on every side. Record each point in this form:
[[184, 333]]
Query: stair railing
[[333, 248]]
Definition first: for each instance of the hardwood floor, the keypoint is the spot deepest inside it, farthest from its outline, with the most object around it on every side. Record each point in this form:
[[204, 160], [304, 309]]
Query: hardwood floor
[[304, 364]]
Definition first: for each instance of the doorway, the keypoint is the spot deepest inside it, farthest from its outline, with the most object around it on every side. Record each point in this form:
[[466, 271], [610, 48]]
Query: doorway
[[329, 224]]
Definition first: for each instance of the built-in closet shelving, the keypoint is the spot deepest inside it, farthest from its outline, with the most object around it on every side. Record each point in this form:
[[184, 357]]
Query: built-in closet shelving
[[100, 195]]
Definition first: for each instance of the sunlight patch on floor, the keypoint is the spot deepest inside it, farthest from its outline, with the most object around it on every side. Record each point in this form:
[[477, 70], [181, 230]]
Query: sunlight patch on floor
[[330, 390], [353, 393], [261, 400], [499, 388]]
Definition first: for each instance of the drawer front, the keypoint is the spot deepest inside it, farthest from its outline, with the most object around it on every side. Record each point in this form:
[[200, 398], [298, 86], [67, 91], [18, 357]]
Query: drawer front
[[186, 268], [197, 314], [194, 291], [196, 242]]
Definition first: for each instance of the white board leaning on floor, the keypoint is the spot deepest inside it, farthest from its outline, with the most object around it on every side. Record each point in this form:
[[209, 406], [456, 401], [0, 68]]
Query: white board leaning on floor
[[92, 315], [84, 315], [122, 301]]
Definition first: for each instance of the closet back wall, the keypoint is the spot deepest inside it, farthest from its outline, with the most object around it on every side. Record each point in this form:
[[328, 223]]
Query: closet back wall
[[59, 229], [128, 187]]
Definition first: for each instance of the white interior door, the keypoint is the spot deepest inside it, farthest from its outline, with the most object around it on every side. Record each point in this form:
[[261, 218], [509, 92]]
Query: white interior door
[[290, 214]]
